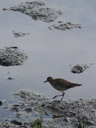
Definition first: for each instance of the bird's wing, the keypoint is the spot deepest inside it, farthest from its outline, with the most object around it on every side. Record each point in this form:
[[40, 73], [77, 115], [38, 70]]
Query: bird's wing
[[62, 83]]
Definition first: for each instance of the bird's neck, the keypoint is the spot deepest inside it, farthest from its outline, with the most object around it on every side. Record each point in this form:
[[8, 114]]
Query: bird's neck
[[51, 82]]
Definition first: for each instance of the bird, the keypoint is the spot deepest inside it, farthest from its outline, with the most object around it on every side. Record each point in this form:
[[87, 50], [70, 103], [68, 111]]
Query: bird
[[60, 85]]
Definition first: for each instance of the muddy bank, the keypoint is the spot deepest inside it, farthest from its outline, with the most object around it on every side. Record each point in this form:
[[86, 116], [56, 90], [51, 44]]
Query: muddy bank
[[12, 56], [55, 114]]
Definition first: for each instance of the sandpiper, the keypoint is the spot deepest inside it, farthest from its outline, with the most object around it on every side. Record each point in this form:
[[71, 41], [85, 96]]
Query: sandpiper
[[61, 85]]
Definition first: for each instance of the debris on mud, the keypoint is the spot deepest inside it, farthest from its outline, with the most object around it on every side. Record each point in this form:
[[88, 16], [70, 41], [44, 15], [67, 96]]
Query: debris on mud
[[68, 114], [1, 103], [11, 56], [16, 122], [10, 78], [79, 68], [37, 10], [19, 34], [64, 26]]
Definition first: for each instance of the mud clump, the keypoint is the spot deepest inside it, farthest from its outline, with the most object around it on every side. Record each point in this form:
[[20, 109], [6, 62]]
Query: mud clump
[[12, 56], [37, 10], [64, 26], [19, 34], [79, 68]]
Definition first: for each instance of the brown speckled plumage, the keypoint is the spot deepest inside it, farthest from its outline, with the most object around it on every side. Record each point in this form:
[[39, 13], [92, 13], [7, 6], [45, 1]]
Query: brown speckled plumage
[[61, 85]]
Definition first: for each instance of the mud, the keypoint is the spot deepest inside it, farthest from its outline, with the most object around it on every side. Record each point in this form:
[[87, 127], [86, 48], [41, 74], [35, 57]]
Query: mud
[[80, 68], [19, 34], [37, 10], [12, 56], [64, 26], [68, 114]]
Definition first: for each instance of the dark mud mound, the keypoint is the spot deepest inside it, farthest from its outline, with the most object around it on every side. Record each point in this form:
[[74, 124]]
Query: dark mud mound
[[64, 26], [11, 56], [79, 68], [65, 114], [37, 10]]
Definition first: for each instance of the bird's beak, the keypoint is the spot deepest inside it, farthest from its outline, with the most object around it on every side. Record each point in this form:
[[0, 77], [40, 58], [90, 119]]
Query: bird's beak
[[45, 81]]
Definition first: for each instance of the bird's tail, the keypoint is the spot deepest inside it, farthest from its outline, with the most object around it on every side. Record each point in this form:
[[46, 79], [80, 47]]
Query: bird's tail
[[74, 84]]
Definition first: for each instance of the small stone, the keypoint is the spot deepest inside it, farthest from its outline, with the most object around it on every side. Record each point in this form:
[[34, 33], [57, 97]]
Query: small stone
[[1, 103], [10, 78]]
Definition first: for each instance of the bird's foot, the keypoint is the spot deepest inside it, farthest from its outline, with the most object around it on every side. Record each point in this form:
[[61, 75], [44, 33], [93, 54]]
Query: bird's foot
[[56, 96]]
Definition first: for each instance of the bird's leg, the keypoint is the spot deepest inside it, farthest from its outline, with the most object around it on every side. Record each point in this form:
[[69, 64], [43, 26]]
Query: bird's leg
[[62, 96], [56, 96], [59, 95]]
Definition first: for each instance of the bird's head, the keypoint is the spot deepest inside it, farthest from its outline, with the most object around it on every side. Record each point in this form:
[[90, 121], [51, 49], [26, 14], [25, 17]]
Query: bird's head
[[49, 79]]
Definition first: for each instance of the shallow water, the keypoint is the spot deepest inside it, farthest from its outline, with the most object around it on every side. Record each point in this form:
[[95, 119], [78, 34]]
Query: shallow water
[[50, 52]]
